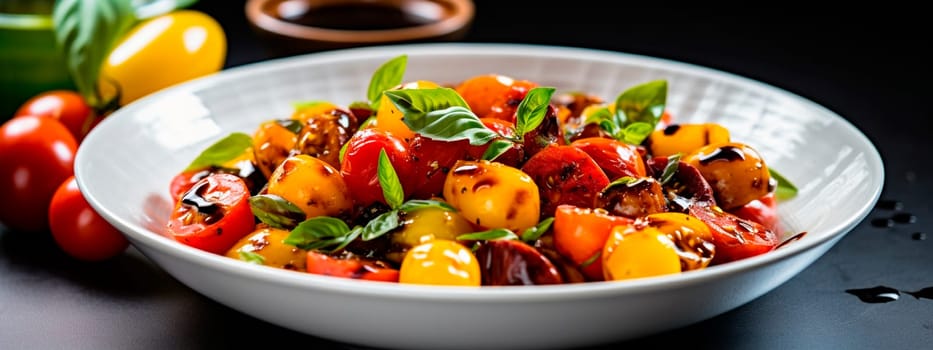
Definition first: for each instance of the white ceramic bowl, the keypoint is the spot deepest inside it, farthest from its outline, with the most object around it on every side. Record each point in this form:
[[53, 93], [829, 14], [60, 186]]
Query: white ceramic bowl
[[124, 167]]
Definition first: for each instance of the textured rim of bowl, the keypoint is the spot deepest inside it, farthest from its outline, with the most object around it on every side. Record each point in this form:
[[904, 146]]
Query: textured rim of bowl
[[154, 240], [462, 13]]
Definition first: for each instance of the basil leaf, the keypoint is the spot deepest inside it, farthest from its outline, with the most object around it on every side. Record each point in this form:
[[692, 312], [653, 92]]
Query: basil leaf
[[440, 114], [381, 225], [598, 116], [636, 133], [388, 180], [319, 232], [496, 233], [307, 104], [252, 257], [785, 189], [292, 125], [276, 211], [496, 149], [589, 261], [532, 233], [226, 149], [418, 204], [532, 110], [642, 103], [670, 169], [86, 32], [625, 180], [386, 77]]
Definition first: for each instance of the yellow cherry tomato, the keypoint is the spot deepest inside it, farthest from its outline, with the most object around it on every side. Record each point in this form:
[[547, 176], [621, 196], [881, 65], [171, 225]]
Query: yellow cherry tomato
[[685, 138], [691, 237], [424, 225], [736, 171], [313, 185], [164, 51], [265, 246], [389, 118], [440, 262], [273, 143], [633, 252], [493, 195]]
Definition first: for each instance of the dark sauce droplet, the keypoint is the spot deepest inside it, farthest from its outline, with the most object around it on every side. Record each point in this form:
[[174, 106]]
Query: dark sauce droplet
[[790, 239], [925, 293], [882, 222], [904, 218], [874, 295], [889, 204], [726, 153], [919, 236], [194, 198], [671, 129]]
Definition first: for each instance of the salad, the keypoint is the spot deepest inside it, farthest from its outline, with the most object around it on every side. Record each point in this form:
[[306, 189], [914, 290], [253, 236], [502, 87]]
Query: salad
[[488, 181]]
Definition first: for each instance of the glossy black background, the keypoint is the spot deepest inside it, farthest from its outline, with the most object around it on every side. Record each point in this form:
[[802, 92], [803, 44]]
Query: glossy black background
[[870, 65]]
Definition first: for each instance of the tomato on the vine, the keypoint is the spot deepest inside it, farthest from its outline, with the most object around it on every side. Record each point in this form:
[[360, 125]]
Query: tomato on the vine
[[214, 214], [79, 230], [36, 156], [65, 105]]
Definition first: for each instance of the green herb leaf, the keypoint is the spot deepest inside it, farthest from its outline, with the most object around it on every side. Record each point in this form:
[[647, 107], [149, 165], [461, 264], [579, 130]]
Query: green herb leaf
[[625, 180], [276, 211], [418, 204], [388, 180], [642, 103], [598, 116], [785, 189], [532, 110], [496, 233], [532, 233], [381, 225], [387, 76], [307, 104], [252, 257], [292, 125], [591, 260], [670, 169], [86, 32], [319, 233], [224, 150], [635, 133], [440, 114], [497, 148]]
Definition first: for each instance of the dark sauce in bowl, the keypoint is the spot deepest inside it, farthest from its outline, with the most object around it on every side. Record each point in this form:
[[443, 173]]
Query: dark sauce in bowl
[[361, 15]]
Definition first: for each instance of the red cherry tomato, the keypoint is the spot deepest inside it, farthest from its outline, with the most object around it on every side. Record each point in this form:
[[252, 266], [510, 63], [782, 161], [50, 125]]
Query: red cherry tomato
[[431, 161], [79, 230], [762, 211], [36, 156], [735, 238], [183, 181], [65, 105], [214, 214], [580, 235], [616, 158], [350, 267], [361, 163], [565, 175]]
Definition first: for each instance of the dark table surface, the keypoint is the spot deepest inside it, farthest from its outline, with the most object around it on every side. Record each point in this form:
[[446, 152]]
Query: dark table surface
[[871, 66]]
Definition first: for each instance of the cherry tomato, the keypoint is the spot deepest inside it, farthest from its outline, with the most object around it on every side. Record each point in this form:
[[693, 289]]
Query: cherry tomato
[[213, 215], [431, 161], [79, 230], [36, 156], [565, 175], [514, 263], [350, 267], [580, 235], [617, 159], [512, 157], [735, 238], [493, 95], [186, 44], [440, 262], [183, 181], [65, 105], [361, 162], [638, 251], [762, 211]]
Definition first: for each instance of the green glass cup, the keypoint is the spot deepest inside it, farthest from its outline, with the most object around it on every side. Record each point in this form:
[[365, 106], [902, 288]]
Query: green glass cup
[[30, 63]]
